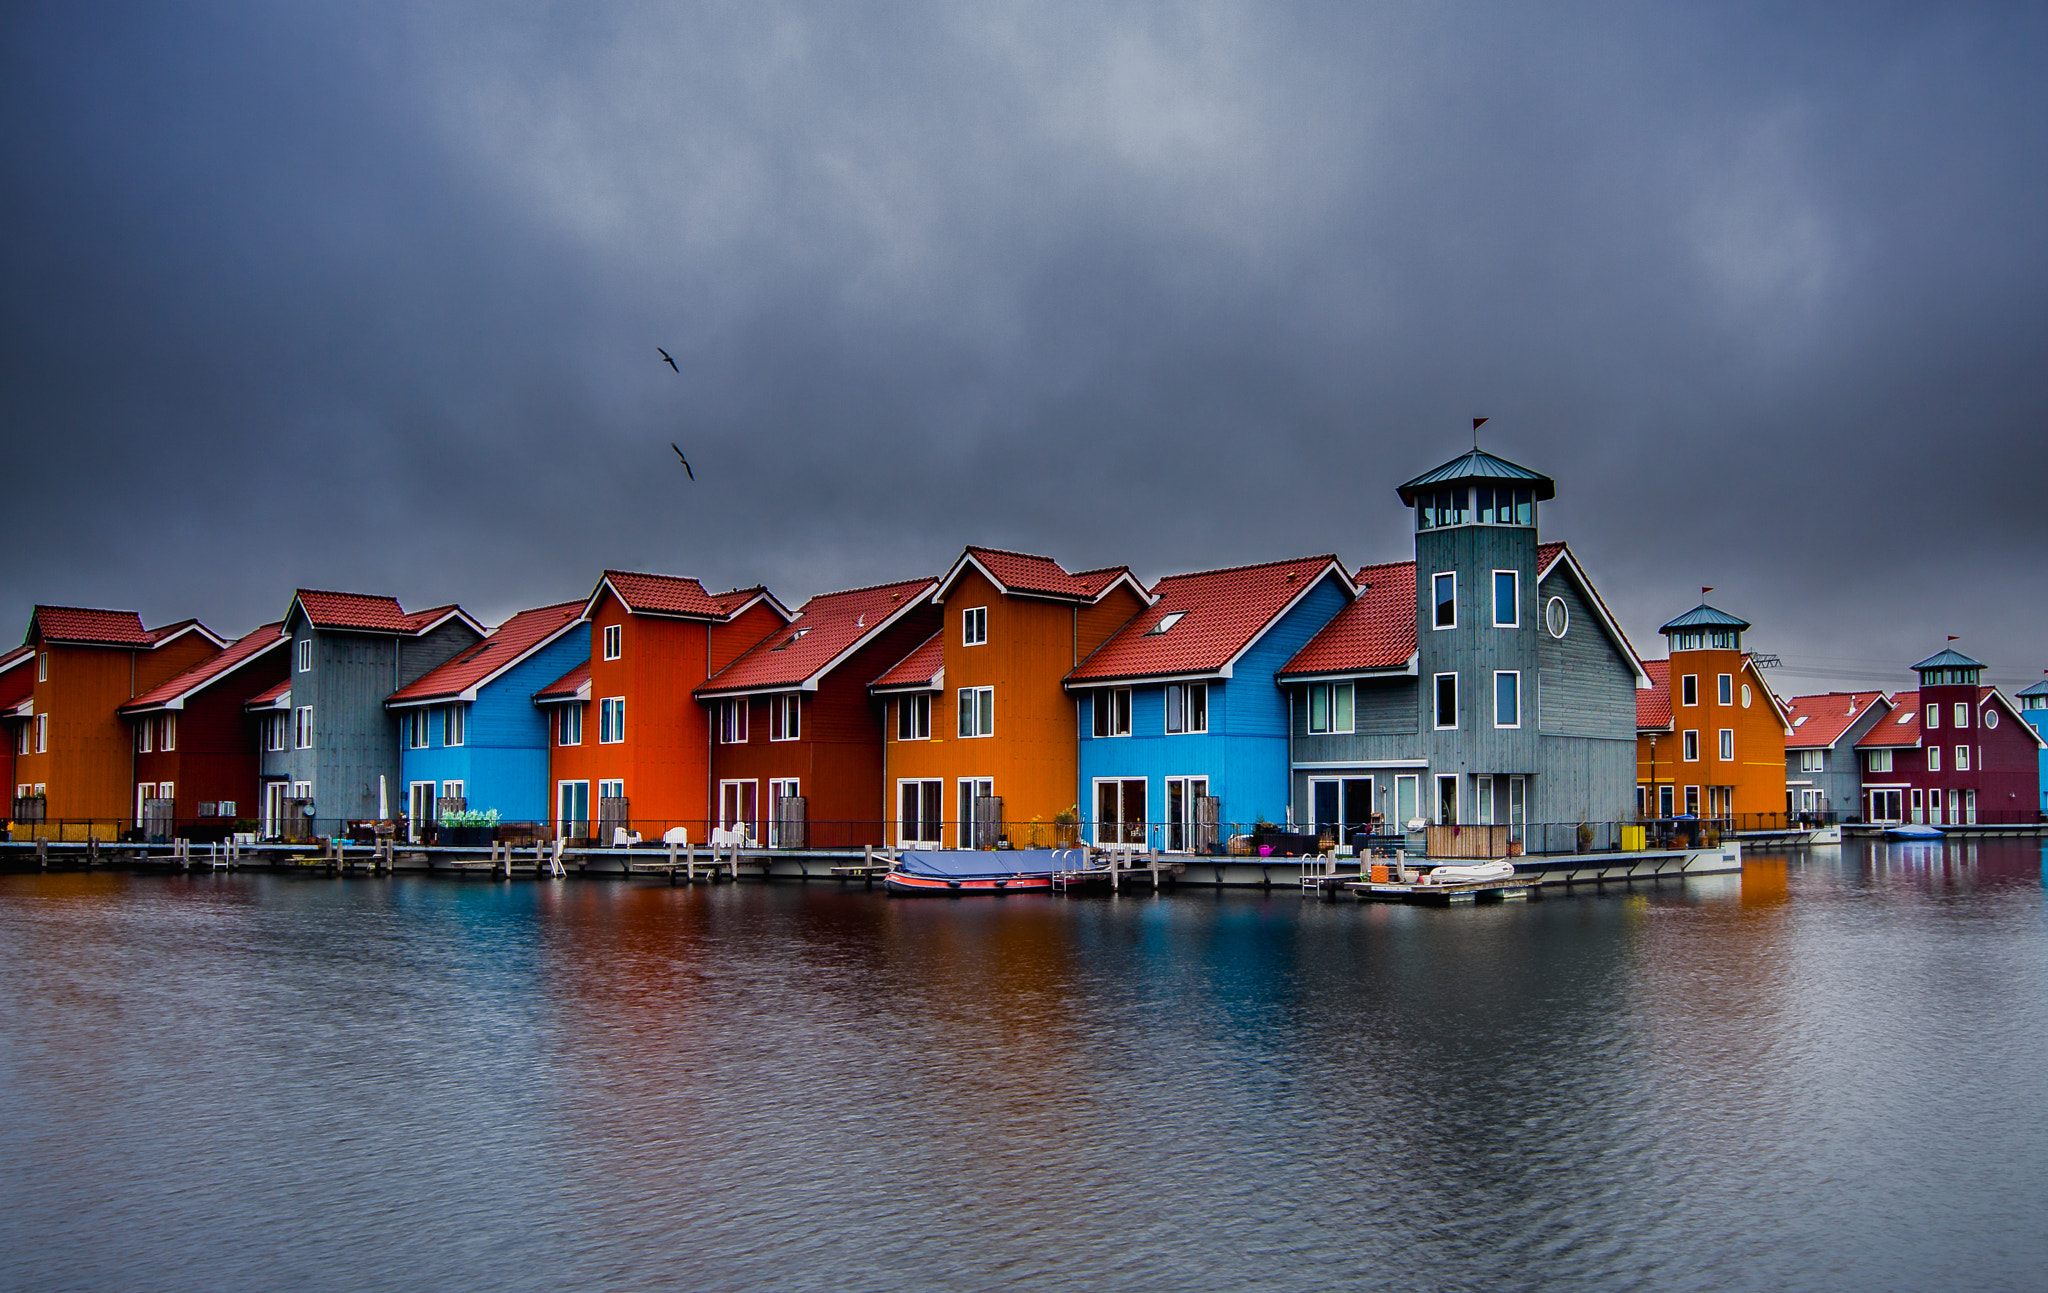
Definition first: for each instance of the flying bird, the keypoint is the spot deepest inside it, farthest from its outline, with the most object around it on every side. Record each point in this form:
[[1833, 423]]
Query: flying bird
[[670, 358], [686, 462]]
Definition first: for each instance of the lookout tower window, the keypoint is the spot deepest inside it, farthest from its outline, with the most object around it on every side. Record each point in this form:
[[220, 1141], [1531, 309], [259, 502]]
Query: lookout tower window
[[1440, 508], [1501, 506]]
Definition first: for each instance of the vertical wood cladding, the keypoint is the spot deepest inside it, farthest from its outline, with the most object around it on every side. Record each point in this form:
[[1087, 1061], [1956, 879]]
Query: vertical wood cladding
[[1586, 687]]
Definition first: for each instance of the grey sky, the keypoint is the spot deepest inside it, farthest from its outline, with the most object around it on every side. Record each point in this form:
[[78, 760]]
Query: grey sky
[[325, 296]]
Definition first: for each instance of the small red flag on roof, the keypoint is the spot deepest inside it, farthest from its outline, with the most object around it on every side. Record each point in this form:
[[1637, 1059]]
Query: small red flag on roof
[[1953, 638], [1706, 589]]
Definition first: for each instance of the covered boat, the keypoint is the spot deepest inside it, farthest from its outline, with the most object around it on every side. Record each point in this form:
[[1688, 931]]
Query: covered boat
[[1913, 831], [963, 871]]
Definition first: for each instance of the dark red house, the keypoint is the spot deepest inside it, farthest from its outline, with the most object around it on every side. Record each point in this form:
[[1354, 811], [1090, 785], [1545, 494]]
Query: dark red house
[[796, 749], [1953, 753], [195, 744]]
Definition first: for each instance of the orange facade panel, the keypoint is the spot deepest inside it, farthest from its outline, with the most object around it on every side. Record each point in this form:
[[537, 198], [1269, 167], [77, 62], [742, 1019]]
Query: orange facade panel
[[1726, 750]]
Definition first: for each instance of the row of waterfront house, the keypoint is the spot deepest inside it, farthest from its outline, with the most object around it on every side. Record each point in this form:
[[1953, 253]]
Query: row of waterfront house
[[1008, 701]]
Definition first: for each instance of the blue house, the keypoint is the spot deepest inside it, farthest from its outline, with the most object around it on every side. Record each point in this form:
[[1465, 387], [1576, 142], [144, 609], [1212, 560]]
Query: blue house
[[469, 734], [1183, 726], [2034, 708]]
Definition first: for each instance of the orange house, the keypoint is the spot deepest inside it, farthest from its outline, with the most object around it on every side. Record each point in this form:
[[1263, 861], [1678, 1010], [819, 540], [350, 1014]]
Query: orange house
[[979, 731], [629, 739], [1710, 734], [75, 758]]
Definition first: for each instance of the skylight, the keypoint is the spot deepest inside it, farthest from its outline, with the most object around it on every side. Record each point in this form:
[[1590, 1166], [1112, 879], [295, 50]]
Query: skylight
[[793, 638], [1166, 622]]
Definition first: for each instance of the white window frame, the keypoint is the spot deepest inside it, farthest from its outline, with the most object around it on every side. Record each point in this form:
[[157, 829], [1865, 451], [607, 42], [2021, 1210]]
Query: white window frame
[[1436, 601], [563, 794], [304, 648], [611, 718], [167, 739], [1689, 689], [42, 733], [1724, 689], [145, 732], [1179, 706], [1457, 798], [966, 791], [1811, 761], [786, 717], [914, 717], [977, 716], [1514, 603], [415, 725], [1962, 758], [974, 626], [276, 732], [1110, 713], [1880, 760], [454, 725], [302, 728], [1436, 701], [614, 641], [1499, 674], [1690, 746], [732, 721], [1962, 713], [1934, 758], [935, 824], [1931, 719], [779, 789], [43, 666], [569, 724], [1727, 745], [454, 790], [1122, 810], [1692, 801]]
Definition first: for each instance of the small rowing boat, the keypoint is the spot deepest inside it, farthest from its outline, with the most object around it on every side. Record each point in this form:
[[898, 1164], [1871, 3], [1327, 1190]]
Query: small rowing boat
[[950, 872]]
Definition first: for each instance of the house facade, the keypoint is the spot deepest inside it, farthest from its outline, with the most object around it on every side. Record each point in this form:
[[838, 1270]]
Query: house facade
[[1182, 720], [1953, 753], [1710, 731], [17, 684], [1823, 771], [76, 762], [2034, 709], [1484, 682], [469, 734], [982, 747], [329, 748], [631, 745], [196, 754], [797, 739]]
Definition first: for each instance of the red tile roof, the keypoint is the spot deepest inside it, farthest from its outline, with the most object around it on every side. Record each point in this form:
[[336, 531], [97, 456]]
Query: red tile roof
[[1376, 631], [1819, 721], [248, 647], [1220, 613], [567, 686], [91, 627], [362, 612], [825, 628], [1035, 576], [1900, 727], [269, 697], [508, 644], [645, 594], [21, 655], [917, 669], [1653, 707]]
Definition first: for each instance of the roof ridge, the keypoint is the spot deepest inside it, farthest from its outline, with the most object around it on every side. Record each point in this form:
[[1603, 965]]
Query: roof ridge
[[655, 574], [871, 588], [1030, 556], [90, 610], [337, 592], [1251, 565]]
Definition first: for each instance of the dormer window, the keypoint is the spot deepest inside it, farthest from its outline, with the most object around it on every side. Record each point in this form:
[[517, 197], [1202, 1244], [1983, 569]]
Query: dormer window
[[1166, 622]]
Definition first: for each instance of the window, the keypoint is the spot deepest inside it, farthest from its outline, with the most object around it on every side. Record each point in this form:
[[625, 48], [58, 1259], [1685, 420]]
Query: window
[[920, 811], [786, 717], [1991, 718], [274, 732], [1727, 745], [1689, 689], [1441, 507], [42, 733], [22, 739], [1692, 801], [1504, 506], [1112, 713], [1330, 707], [1692, 747], [1810, 760], [167, 740], [1933, 717], [1745, 695], [1507, 599], [569, 725], [614, 641], [305, 650], [453, 720], [611, 720], [1166, 622], [302, 727], [914, 718], [453, 790], [415, 725], [732, 721], [1880, 760], [1725, 693], [1446, 701], [143, 731], [978, 712], [1934, 758], [1666, 806], [1187, 707], [974, 626], [43, 667], [1557, 617], [1962, 714], [1962, 758], [1120, 811], [1446, 799], [977, 831], [1507, 698], [1446, 588]]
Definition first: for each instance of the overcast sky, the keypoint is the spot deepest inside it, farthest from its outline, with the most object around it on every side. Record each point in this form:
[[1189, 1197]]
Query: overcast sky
[[368, 298]]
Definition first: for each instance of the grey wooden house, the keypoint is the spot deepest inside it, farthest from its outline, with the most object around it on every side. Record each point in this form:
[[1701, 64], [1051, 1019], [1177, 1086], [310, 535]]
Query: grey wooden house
[[328, 746], [1823, 772], [1483, 682]]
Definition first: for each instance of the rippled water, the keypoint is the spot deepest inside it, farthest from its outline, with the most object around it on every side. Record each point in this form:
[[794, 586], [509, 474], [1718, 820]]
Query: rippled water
[[1828, 1073]]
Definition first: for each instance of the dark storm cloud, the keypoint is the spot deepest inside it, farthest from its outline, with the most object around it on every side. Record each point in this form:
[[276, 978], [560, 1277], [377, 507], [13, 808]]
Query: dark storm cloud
[[325, 297]]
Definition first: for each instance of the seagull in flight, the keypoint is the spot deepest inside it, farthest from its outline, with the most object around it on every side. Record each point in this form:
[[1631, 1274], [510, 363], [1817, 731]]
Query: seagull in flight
[[670, 358], [686, 462]]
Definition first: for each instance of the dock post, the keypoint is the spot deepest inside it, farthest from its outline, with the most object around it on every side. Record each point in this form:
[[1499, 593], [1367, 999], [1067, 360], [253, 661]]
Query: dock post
[[92, 849], [671, 861], [42, 853]]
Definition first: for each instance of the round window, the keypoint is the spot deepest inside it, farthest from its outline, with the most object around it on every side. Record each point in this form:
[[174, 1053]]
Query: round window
[[1991, 718], [1557, 617], [1745, 695]]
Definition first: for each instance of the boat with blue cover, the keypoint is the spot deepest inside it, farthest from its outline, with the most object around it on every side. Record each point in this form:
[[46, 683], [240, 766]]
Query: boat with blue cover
[[1913, 831], [945, 872]]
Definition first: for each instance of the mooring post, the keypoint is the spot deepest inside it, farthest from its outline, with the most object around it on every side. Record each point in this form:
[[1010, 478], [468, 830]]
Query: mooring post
[[42, 853]]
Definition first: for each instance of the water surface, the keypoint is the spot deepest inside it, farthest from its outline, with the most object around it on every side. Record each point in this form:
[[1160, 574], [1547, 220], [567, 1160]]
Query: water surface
[[1828, 1073]]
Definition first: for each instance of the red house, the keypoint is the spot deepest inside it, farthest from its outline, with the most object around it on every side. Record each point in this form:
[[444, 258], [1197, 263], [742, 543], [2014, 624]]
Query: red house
[[798, 742], [195, 746], [1954, 753]]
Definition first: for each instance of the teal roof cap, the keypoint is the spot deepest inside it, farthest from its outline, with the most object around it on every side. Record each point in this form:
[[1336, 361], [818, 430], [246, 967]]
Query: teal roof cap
[[1949, 660], [1704, 616], [2038, 689], [1481, 466]]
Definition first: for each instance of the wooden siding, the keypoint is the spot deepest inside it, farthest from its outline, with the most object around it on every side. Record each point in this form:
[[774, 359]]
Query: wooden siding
[[1474, 650], [504, 758], [1840, 778], [1757, 773], [215, 756], [1587, 686]]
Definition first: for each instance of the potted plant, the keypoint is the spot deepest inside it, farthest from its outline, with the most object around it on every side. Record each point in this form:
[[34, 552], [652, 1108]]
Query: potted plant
[[1066, 826], [468, 828]]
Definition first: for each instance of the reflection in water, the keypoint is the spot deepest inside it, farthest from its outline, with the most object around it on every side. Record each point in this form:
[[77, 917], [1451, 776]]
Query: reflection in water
[[1812, 1075]]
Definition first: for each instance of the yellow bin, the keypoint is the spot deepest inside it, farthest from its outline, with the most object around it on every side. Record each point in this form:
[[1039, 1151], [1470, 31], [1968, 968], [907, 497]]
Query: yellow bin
[[1632, 839]]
